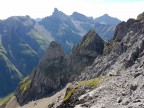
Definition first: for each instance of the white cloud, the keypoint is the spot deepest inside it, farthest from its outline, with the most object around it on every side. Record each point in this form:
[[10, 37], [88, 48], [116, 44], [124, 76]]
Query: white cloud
[[95, 8]]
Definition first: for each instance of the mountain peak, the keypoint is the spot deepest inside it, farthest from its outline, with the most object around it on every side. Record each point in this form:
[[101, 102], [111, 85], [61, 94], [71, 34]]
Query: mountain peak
[[106, 19], [80, 17], [91, 45], [106, 15], [54, 51], [48, 76], [58, 14], [76, 13], [56, 10]]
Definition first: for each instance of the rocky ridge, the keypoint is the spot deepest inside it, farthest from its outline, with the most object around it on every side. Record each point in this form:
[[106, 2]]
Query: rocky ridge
[[85, 52], [122, 67]]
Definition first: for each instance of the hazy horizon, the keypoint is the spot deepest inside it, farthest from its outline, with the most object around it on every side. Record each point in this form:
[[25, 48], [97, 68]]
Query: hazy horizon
[[121, 9]]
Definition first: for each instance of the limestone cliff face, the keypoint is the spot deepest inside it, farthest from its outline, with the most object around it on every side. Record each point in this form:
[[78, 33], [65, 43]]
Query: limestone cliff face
[[50, 74], [56, 69]]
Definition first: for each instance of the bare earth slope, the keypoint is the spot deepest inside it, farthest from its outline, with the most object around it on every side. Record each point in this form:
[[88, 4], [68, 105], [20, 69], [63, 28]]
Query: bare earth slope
[[41, 103]]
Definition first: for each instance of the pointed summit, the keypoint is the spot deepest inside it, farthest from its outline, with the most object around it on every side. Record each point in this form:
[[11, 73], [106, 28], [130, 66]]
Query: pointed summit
[[58, 14], [106, 15], [56, 11], [91, 45], [53, 52], [84, 54]]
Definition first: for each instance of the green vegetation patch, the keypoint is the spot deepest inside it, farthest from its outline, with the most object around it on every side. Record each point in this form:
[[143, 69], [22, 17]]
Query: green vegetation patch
[[90, 83], [2, 49], [7, 64], [25, 85], [5, 100], [27, 50], [69, 93], [140, 16]]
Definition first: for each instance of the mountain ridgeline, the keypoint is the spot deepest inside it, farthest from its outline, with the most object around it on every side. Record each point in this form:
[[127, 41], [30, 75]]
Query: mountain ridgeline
[[68, 30], [107, 74], [23, 41]]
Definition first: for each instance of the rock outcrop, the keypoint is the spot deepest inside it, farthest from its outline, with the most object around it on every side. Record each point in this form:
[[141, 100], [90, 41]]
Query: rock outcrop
[[122, 29], [47, 77], [85, 52]]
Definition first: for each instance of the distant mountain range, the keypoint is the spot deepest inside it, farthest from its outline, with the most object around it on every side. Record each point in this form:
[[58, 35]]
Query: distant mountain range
[[23, 41], [68, 30]]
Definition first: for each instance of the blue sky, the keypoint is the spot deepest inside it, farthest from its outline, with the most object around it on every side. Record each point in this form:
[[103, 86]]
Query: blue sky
[[122, 9]]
